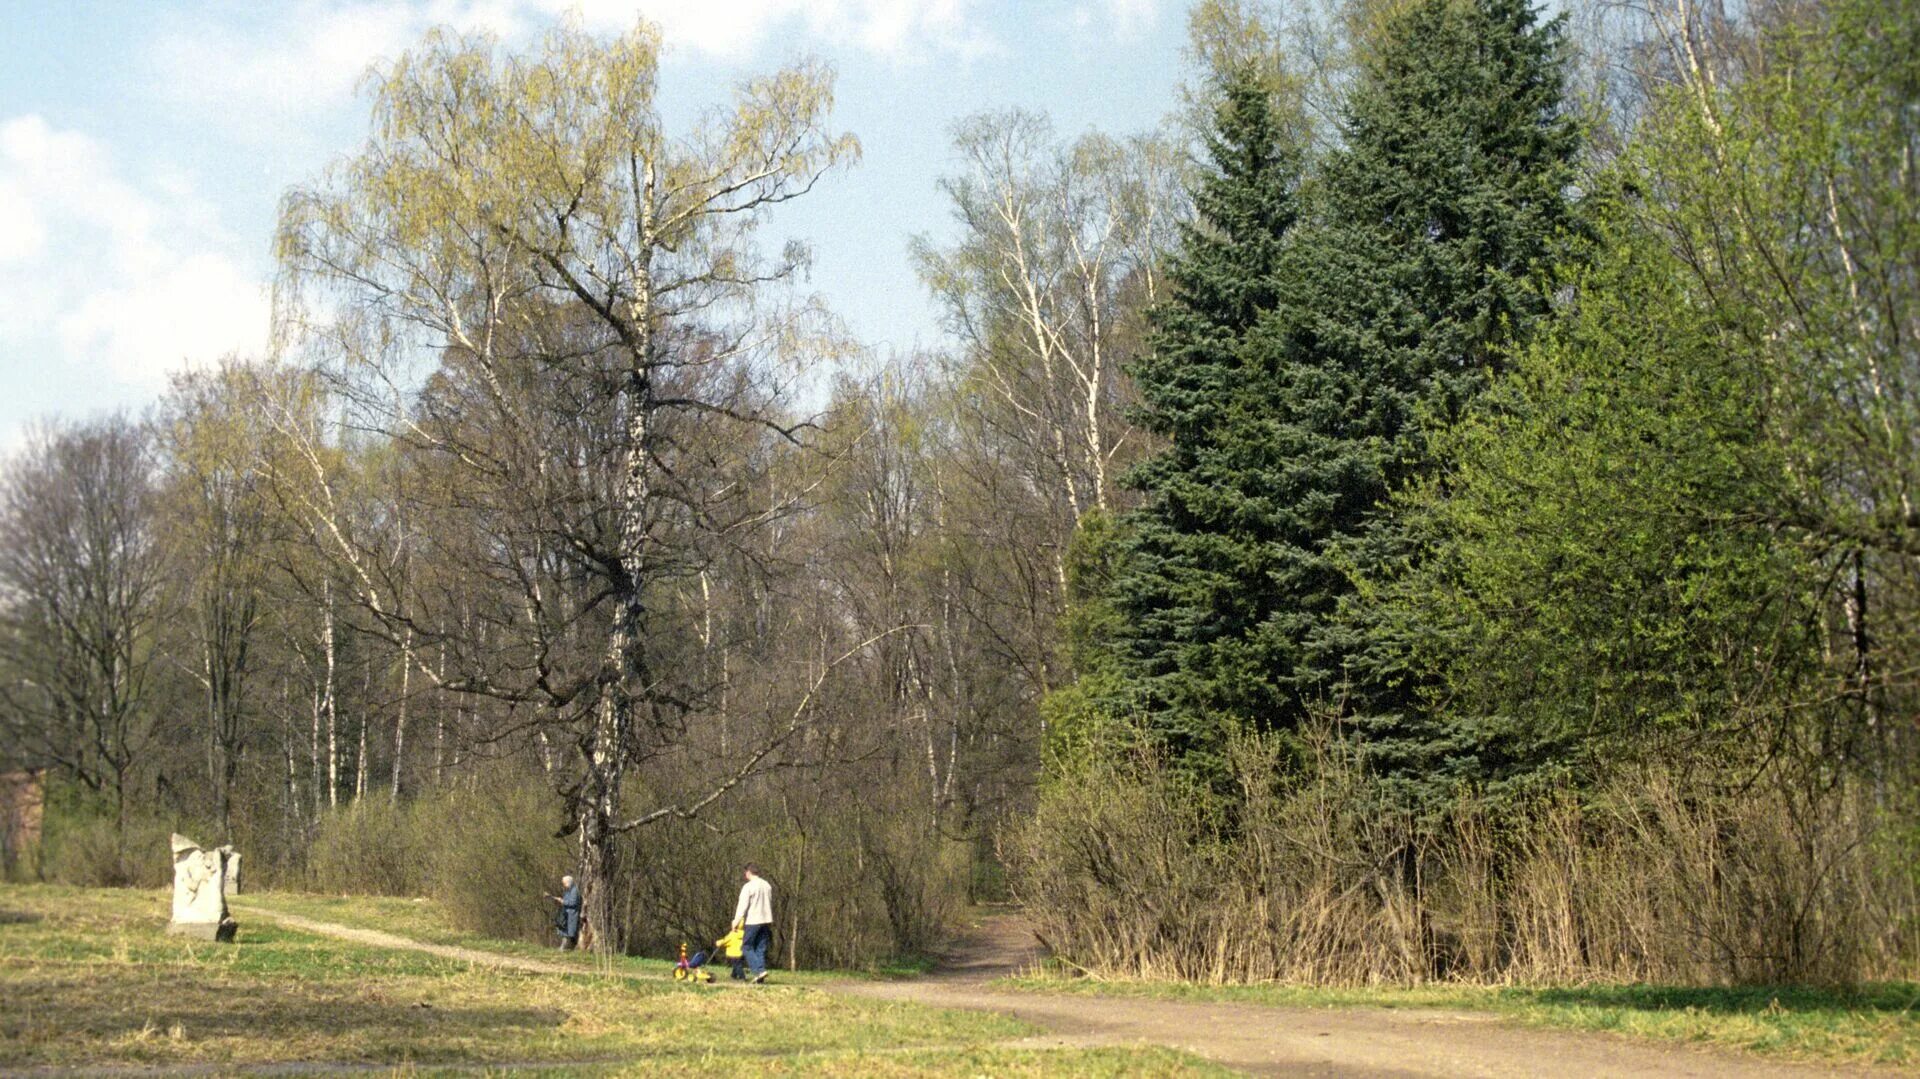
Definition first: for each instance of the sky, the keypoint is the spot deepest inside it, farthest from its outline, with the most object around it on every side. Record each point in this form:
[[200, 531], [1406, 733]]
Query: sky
[[144, 146]]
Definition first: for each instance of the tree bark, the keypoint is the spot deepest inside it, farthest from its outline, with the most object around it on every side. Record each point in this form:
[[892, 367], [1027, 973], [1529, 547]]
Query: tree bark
[[624, 675], [400, 721], [327, 696]]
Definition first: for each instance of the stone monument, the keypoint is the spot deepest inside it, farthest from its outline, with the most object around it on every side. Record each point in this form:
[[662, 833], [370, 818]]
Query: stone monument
[[200, 891]]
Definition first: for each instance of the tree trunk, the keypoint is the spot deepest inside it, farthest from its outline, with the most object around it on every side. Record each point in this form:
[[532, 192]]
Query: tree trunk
[[217, 772], [327, 697], [400, 722], [440, 724], [292, 808], [625, 673], [366, 721], [313, 749]]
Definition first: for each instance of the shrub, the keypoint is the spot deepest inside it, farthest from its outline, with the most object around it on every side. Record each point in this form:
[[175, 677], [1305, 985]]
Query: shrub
[[492, 855], [368, 848], [855, 883], [485, 850], [1133, 871], [85, 843]]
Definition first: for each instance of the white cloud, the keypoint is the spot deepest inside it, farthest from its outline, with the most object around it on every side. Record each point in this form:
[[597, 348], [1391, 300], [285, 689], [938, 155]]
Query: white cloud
[[1129, 17], [304, 60], [899, 30], [262, 82], [1118, 18], [100, 272]]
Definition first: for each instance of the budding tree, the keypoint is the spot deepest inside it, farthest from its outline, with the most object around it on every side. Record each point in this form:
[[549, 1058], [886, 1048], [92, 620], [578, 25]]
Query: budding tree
[[560, 312]]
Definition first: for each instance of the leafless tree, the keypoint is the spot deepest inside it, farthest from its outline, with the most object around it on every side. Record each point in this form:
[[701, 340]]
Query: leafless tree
[[82, 583]]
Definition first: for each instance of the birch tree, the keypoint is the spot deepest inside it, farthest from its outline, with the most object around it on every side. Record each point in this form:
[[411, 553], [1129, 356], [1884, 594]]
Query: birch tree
[[521, 233], [1058, 254]]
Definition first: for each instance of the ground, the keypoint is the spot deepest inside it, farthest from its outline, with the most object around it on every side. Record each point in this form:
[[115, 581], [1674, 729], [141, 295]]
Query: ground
[[316, 984], [91, 985]]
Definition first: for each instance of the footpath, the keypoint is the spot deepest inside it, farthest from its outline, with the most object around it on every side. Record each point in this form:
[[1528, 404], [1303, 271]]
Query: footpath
[[1259, 1040]]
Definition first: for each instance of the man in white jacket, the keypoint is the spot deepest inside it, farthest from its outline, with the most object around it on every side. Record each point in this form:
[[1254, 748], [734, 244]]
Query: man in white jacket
[[754, 915]]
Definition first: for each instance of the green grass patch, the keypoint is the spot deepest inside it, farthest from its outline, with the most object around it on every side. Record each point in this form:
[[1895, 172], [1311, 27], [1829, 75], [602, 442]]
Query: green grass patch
[[1875, 1024], [91, 978], [425, 920]]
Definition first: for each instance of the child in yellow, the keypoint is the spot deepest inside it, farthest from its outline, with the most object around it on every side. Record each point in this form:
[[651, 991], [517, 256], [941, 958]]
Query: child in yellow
[[734, 944]]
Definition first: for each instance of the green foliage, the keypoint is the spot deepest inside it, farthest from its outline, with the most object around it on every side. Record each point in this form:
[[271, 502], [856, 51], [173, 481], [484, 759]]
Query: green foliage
[[1298, 368], [1601, 583], [1669, 533], [1188, 591], [1435, 226]]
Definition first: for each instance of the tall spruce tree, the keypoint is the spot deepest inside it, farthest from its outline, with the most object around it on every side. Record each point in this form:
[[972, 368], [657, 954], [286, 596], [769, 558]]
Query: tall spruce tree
[[1438, 223], [1187, 586], [1296, 369]]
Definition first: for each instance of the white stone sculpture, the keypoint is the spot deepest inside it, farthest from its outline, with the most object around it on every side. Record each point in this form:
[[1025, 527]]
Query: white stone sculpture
[[200, 891]]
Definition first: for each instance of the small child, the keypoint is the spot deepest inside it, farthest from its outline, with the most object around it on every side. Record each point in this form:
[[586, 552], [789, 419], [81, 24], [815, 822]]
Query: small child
[[735, 948]]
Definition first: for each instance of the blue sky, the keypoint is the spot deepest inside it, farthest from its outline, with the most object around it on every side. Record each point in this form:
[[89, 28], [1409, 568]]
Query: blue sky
[[144, 145]]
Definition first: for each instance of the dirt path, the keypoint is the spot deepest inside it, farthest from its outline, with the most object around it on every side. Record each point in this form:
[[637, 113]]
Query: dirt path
[[1257, 1039], [1302, 1041], [388, 940]]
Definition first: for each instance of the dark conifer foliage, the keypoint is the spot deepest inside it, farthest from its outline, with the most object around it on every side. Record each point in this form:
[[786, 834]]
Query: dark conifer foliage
[[1439, 221], [1189, 588], [1300, 362]]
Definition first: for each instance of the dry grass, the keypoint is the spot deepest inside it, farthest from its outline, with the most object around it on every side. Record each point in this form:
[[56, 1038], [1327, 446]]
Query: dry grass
[[1000, 1063], [1133, 872], [90, 978]]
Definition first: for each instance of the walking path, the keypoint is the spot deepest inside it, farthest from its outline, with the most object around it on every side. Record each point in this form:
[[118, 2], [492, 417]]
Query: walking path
[[1265, 1040], [377, 939], [1262, 1040]]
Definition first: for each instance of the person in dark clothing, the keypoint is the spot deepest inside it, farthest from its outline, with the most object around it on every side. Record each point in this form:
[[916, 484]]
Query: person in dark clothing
[[568, 923]]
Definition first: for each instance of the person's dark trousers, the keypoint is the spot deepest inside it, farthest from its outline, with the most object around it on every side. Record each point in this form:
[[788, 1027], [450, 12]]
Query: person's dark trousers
[[755, 944], [740, 969]]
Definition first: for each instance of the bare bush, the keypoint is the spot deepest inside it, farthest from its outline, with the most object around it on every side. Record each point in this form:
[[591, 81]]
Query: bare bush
[[94, 849], [485, 850], [854, 884], [1134, 872], [367, 848], [493, 853]]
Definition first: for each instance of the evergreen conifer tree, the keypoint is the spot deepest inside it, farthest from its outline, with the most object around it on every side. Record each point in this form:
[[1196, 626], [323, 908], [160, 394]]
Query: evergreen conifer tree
[[1438, 224], [1299, 364], [1186, 587]]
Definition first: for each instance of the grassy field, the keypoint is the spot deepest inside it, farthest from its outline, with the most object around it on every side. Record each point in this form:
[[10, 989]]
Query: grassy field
[[423, 920], [1877, 1024], [90, 978]]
